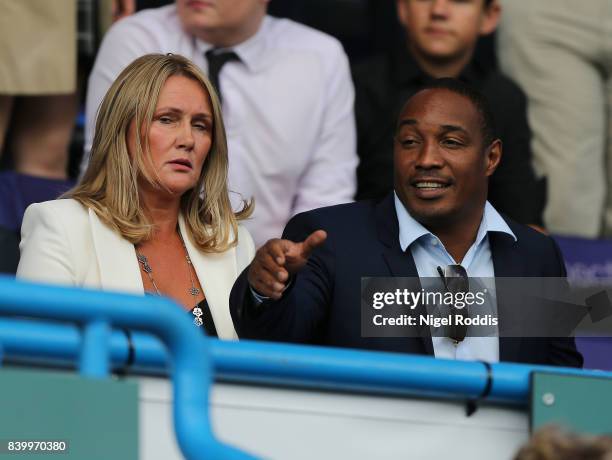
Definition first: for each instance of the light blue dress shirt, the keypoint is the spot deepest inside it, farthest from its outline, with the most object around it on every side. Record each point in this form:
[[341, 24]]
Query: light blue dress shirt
[[429, 253]]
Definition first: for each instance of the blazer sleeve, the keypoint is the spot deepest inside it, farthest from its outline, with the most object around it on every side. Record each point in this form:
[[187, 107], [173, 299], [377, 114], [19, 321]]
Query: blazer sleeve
[[45, 252], [299, 316], [562, 351]]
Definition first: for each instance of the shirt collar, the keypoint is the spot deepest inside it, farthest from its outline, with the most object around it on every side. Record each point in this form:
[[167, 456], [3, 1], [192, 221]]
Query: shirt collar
[[251, 52], [410, 230]]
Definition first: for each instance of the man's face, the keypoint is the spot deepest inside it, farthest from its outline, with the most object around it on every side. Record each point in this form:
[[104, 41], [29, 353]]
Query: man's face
[[220, 18], [446, 29], [441, 165]]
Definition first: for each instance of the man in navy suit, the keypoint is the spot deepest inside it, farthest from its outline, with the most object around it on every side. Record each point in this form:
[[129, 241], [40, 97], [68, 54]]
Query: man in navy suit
[[306, 287]]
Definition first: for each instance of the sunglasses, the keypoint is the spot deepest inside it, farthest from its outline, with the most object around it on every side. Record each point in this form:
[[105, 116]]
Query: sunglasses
[[456, 280]]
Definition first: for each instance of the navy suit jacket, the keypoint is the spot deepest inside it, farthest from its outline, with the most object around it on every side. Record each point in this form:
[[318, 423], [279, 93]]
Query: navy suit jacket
[[322, 305]]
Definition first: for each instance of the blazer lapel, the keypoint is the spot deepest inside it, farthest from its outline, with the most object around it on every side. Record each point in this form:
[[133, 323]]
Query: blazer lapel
[[506, 264], [217, 273], [116, 257], [400, 263]]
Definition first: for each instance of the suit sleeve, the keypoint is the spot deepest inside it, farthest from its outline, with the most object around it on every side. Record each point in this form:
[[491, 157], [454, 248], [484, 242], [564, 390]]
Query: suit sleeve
[[562, 351], [46, 256], [299, 316]]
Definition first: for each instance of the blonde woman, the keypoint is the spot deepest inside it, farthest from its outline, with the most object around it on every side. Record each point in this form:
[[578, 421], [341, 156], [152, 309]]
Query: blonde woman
[[137, 221]]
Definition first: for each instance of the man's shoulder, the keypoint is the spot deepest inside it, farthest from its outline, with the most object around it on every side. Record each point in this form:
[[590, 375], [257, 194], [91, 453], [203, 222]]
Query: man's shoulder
[[497, 85], [372, 73], [345, 224], [157, 24], [530, 240], [285, 33], [163, 15], [371, 67], [339, 217], [341, 211]]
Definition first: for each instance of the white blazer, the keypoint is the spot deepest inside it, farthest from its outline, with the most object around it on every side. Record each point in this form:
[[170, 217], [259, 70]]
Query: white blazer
[[62, 242]]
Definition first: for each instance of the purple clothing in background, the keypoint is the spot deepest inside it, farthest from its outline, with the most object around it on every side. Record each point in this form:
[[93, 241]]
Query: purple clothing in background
[[18, 191]]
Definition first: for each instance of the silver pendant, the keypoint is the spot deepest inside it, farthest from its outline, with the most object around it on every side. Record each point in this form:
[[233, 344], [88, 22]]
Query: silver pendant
[[194, 291], [197, 312], [145, 263]]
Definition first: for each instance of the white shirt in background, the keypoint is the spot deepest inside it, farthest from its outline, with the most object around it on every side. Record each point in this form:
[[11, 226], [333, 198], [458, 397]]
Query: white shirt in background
[[287, 106]]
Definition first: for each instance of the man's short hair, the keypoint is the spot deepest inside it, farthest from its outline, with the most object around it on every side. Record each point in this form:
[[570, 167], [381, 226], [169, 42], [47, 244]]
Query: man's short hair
[[487, 121]]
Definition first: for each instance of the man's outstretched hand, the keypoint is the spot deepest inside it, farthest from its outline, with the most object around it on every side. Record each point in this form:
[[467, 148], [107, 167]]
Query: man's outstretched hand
[[277, 260]]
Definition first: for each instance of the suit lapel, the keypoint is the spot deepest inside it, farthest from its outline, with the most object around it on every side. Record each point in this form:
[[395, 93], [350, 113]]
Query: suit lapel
[[506, 264], [216, 272], [401, 264], [116, 257]]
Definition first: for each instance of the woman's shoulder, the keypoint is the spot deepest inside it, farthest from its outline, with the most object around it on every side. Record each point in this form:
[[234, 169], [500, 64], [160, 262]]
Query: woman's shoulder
[[66, 209], [63, 205], [245, 248], [244, 236]]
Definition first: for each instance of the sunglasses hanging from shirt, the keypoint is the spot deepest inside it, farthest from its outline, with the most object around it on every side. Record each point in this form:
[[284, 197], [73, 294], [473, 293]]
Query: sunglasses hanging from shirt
[[456, 280]]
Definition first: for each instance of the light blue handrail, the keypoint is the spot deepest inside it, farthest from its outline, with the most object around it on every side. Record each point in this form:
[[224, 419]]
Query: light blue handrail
[[94, 312], [288, 365]]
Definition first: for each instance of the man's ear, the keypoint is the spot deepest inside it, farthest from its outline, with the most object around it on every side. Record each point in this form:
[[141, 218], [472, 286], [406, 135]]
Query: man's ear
[[402, 11], [490, 18], [493, 156]]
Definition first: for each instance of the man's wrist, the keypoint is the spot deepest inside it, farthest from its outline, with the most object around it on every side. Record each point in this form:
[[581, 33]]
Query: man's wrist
[[258, 298]]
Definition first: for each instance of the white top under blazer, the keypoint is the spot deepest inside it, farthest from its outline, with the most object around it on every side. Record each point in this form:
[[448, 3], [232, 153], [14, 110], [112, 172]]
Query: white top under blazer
[[63, 242]]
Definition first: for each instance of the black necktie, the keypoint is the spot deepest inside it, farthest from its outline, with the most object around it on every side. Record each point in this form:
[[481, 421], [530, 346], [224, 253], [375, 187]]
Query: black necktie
[[216, 60]]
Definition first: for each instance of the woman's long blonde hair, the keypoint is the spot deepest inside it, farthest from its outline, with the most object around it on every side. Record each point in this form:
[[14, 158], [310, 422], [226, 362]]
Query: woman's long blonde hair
[[110, 184]]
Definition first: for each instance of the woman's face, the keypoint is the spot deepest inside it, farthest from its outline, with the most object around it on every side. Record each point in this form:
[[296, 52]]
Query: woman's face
[[180, 136]]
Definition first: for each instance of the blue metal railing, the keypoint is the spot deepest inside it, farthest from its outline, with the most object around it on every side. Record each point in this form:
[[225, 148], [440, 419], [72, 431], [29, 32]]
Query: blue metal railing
[[192, 359], [95, 311], [262, 362], [290, 365]]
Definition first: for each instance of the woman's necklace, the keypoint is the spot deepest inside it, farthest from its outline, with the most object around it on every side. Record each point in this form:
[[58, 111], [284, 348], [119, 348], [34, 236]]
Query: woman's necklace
[[193, 290]]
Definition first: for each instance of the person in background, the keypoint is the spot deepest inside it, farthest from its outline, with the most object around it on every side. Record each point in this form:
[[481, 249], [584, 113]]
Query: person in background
[[152, 212], [306, 287], [114, 10], [559, 51], [287, 99], [441, 37], [38, 104], [38, 101], [553, 443]]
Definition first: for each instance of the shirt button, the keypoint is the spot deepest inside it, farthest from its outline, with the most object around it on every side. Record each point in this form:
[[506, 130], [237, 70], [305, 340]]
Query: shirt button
[[434, 242]]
